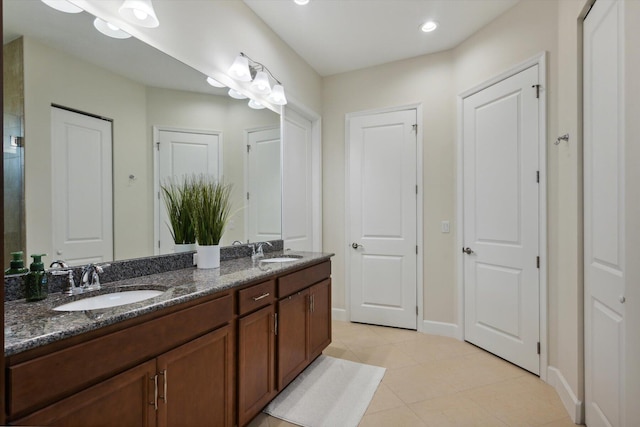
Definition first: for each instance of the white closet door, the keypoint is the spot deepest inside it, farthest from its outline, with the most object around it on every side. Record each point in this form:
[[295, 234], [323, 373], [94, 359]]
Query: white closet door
[[604, 216], [82, 189]]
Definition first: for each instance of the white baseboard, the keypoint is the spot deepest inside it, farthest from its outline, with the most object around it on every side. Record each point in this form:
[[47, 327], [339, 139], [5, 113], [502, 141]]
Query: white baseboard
[[440, 328], [339, 314], [574, 407]]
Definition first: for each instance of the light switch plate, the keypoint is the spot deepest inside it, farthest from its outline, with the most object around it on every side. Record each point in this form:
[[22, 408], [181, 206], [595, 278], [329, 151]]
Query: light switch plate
[[444, 226]]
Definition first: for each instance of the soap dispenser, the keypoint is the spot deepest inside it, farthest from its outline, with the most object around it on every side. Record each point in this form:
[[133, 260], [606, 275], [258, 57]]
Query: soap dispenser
[[16, 264], [36, 282]]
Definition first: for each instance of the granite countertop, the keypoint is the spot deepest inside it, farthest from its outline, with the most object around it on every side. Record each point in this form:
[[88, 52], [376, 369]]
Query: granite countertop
[[34, 324]]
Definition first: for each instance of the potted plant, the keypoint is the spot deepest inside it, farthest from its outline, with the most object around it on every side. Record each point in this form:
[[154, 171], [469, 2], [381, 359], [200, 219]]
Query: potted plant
[[179, 195], [210, 214]]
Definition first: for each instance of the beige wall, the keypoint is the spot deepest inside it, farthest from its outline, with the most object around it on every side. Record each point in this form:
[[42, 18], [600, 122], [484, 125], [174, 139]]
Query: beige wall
[[524, 31], [54, 77]]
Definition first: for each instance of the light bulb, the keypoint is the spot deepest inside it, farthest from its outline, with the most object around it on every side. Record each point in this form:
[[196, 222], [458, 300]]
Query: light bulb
[[239, 70], [108, 29], [140, 14], [277, 96], [429, 26], [260, 83], [301, 2]]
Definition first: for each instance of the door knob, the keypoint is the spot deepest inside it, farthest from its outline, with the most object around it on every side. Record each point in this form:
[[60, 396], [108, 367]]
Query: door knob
[[467, 251], [622, 299], [355, 245]]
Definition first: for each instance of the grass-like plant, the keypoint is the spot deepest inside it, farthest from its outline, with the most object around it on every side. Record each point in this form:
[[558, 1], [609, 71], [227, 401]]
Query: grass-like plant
[[212, 209], [179, 198]]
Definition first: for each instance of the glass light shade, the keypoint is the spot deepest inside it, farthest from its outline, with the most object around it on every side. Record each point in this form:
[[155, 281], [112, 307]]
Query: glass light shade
[[213, 82], [301, 2], [139, 12], [237, 95], [239, 70], [255, 104], [63, 6], [260, 83], [277, 96], [108, 29]]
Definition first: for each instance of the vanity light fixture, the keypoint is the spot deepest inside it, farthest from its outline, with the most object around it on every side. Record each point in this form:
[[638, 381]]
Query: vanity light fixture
[[301, 2], [213, 82], [256, 105], [63, 6], [245, 69], [139, 12], [429, 26], [237, 95], [108, 29]]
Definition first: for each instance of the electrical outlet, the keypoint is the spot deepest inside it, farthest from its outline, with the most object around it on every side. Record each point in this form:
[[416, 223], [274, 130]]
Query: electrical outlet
[[444, 226]]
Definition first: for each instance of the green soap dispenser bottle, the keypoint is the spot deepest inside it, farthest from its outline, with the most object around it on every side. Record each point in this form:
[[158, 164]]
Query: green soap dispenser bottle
[[16, 264], [36, 282]]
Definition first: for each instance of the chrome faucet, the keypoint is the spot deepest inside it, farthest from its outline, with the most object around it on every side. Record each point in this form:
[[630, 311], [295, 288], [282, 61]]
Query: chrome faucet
[[90, 279], [257, 250], [71, 288]]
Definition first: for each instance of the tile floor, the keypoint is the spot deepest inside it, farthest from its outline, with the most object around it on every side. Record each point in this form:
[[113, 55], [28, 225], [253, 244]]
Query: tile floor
[[437, 381]]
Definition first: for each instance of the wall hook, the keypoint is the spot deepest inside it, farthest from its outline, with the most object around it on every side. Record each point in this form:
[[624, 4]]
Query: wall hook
[[564, 137]]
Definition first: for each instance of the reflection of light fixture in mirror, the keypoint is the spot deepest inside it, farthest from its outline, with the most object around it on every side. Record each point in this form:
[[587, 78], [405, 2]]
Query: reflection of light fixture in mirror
[[139, 12], [63, 6], [301, 2], [260, 83], [255, 104], [277, 95], [213, 82], [108, 29], [239, 70], [235, 94]]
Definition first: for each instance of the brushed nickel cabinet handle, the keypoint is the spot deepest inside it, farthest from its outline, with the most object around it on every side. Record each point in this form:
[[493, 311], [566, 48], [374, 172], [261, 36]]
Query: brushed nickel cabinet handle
[[266, 294]]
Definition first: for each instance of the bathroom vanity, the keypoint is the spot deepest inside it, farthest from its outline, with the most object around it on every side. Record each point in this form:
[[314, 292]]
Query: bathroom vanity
[[213, 349]]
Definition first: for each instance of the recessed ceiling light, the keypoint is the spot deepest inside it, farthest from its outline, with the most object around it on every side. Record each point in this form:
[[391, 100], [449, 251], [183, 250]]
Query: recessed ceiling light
[[429, 26], [301, 2]]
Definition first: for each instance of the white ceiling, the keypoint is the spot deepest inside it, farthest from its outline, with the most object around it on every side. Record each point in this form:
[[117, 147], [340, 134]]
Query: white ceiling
[[335, 36]]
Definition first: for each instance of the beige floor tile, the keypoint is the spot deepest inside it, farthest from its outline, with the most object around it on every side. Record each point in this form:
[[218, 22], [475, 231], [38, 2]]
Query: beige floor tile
[[384, 399], [565, 422], [385, 355], [395, 335], [396, 417], [415, 383], [454, 411]]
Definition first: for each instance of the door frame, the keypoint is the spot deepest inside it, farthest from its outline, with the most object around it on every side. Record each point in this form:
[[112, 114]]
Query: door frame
[[540, 60], [156, 171], [346, 314]]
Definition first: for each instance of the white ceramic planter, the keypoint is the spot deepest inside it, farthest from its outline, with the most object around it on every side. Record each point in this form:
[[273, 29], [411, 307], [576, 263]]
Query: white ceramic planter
[[208, 256], [184, 247]]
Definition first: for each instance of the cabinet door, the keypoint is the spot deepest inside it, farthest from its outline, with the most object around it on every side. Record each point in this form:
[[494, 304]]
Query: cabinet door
[[293, 344], [124, 400], [319, 318], [194, 382], [256, 363]]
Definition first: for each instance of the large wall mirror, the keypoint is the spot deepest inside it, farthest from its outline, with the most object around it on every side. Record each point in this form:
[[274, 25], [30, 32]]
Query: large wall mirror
[[57, 65]]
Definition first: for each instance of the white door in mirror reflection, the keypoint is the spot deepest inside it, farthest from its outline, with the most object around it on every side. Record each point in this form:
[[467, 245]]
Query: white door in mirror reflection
[[263, 205], [183, 153], [82, 187]]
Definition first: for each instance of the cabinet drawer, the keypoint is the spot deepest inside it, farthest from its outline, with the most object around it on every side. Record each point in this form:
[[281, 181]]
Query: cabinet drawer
[[45, 379], [299, 280], [256, 296]]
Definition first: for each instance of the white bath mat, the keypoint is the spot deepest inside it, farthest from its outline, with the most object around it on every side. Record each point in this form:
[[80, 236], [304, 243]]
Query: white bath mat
[[330, 392]]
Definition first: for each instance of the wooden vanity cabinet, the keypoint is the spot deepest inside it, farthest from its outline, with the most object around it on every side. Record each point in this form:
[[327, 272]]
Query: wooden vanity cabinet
[[256, 350], [304, 319]]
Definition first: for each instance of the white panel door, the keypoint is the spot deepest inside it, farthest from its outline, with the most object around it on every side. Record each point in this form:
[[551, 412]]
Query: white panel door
[[297, 207], [82, 188], [183, 153], [383, 219], [501, 277], [604, 217], [264, 221]]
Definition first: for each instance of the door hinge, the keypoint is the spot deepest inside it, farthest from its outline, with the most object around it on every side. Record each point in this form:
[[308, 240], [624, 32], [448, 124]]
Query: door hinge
[[247, 195], [248, 148], [158, 244], [538, 177], [416, 249], [416, 310], [158, 145], [415, 127], [416, 188], [537, 88], [538, 347], [275, 324], [538, 261], [158, 195]]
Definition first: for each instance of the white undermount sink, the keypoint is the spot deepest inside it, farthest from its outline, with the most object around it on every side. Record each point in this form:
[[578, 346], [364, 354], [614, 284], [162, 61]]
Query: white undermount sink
[[114, 299], [279, 259]]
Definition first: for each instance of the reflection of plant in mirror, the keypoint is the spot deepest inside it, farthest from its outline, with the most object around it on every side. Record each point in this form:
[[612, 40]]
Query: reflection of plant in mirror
[[212, 209], [179, 198]]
